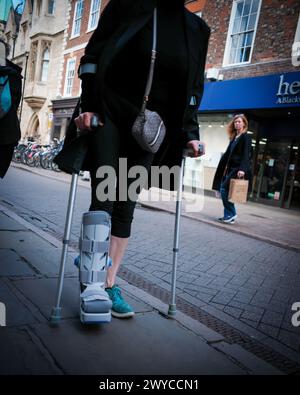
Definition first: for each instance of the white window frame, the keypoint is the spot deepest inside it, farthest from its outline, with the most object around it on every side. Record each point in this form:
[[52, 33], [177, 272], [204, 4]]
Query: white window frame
[[226, 62], [69, 87], [91, 28], [75, 19]]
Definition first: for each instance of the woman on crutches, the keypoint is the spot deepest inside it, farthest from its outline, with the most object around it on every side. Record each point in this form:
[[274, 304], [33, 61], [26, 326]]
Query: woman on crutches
[[114, 72]]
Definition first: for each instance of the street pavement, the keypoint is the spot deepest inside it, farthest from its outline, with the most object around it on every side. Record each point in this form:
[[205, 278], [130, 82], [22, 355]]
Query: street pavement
[[248, 283]]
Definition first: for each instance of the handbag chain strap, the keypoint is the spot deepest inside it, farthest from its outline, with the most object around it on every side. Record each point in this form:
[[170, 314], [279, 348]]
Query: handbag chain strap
[[152, 64]]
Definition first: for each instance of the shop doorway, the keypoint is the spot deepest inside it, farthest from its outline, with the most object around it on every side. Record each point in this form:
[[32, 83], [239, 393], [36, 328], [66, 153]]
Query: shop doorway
[[276, 173]]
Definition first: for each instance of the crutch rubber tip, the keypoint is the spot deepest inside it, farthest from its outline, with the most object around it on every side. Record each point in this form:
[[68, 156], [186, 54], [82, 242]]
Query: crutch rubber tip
[[172, 310], [55, 317]]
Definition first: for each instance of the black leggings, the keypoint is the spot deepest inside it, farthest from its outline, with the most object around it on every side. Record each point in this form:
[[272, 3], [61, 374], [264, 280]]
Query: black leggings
[[107, 145]]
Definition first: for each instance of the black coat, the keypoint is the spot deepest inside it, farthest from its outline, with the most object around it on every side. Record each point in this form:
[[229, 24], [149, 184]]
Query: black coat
[[119, 22], [10, 132], [239, 158]]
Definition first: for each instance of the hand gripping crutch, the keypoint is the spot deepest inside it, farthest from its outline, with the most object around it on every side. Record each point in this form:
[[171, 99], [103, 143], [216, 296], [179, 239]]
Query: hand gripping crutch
[[56, 310], [172, 305]]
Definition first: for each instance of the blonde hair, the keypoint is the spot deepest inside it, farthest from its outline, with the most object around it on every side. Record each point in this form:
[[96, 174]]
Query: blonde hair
[[231, 129]]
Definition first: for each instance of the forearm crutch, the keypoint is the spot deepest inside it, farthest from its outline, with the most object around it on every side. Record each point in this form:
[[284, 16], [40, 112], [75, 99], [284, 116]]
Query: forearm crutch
[[186, 153], [56, 310]]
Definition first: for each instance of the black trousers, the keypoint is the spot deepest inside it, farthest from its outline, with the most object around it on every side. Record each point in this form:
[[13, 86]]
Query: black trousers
[[107, 145]]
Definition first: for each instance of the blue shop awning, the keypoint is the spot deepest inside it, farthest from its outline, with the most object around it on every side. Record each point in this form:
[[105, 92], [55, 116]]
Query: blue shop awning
[[271, 91]]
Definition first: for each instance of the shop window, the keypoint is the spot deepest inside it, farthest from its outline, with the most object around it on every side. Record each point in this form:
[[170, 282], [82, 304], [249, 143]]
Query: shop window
[[51, 6], [77, 18], [70, 73], [45, 65], [94, 14], [242, 31]]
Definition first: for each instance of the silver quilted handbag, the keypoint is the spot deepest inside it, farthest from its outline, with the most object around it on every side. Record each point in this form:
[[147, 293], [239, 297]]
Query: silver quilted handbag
[[148, 129]]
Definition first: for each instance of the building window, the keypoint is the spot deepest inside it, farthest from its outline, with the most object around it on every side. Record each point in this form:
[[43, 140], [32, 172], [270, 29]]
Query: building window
[[45, 65], [70, 73], [242, 31], [94, 14], [51, 5], [77, 18]]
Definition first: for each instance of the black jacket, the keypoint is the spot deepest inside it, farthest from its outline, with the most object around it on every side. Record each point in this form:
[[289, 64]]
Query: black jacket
[[119, 22], [9, 125], [239, 158]]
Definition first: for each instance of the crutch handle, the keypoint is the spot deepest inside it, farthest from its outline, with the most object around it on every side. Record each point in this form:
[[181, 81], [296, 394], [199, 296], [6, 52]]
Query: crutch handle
[[188, 152], [95, 122]]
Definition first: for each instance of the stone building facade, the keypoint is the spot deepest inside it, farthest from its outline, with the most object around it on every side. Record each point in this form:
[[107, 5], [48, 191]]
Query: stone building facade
[[38, 50]]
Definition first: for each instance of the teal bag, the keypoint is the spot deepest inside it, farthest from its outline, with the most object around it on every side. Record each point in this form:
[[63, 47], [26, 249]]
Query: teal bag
[[5, 96]]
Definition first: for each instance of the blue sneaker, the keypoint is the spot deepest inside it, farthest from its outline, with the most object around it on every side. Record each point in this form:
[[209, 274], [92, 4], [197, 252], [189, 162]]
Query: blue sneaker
[[120, 308]]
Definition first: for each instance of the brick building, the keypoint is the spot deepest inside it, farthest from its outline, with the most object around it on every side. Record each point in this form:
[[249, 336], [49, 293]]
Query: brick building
[[251, 70]]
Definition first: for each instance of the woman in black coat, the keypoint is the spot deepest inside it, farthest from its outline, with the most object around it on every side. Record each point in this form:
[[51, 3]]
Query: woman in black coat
[[10, 132], [114, 71], [236, 162]]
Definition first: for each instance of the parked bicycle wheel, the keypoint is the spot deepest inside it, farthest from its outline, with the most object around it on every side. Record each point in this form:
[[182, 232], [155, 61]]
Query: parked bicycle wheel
[[29, 159], [44, 162], [54, 167]]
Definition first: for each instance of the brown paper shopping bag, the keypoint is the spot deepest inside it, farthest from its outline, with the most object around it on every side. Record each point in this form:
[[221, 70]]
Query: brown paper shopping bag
[[238, 190]]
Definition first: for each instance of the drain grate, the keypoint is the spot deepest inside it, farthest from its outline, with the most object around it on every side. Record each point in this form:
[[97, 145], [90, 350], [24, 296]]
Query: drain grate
[[232, 335]]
